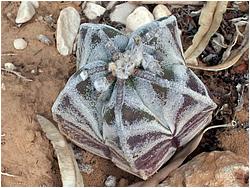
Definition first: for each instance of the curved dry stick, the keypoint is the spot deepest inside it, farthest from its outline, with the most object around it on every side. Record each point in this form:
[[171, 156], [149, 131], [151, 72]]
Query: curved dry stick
[[17, 74]]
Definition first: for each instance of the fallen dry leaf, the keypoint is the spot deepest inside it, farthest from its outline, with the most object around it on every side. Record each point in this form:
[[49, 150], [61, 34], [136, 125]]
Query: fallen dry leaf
[[209, 21], [229, 60], [70, 173]]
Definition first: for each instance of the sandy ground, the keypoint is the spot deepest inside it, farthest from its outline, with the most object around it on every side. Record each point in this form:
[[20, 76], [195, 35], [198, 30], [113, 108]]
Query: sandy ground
[[26, 153]]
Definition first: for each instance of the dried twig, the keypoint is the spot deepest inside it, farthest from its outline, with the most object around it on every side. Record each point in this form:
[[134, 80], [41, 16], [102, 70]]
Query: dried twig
[[38, 51], [17, 74], [7, 174], [8, 54]]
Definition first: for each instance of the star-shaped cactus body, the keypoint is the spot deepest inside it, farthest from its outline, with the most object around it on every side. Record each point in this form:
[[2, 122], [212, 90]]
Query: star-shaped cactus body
[[132, 99]]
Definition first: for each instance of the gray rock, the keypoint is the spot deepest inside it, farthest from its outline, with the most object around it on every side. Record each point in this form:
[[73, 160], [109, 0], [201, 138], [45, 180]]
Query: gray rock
[[25, 12], [92, 10], [67, 27], [110, 181], [139, 17], [20, 44], [121, 12], [44, 39]]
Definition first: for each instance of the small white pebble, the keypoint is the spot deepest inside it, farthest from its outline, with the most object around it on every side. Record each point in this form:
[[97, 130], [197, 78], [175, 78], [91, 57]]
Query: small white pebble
[[33, 71], [9, 66], [20, 44], [121, 12], [92, 10], [25, 12], [139, 17], [84, 75], [67, 28], [110, 181], [101, 84], [161, 11], [3, 88], [9, 14]]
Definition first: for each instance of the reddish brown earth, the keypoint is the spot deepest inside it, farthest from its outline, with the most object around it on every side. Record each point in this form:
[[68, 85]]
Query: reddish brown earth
[[26, 152]]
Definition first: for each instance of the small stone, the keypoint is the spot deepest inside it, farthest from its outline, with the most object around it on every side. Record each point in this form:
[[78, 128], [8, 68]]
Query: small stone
[[3, 86], [161, 11], [84, 75], [139, 17], [44, 39], [35, 4], [48, 19], [20, 44], [33, 71], [121, 12], [9, 66], [110, 181], [92, 10], [25, 12], [67, 27], [213, 169]]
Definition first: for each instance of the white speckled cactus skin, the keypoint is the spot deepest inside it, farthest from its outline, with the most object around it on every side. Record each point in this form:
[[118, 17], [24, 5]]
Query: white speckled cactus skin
[[132, 99]]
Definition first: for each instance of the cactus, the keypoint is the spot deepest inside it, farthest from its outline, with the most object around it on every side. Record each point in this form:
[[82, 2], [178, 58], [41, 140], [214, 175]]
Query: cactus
[[132, 99]]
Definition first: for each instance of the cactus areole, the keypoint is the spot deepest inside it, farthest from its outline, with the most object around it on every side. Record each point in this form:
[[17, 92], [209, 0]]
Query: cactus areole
[[132, 99]]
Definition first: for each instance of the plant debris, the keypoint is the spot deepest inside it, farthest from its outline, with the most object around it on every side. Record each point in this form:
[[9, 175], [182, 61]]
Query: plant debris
[[210, 42], [70, 173], [17, 74], [209, 21]]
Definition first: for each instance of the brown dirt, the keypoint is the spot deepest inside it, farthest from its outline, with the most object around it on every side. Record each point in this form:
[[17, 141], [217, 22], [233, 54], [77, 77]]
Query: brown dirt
[[26, 152], [235, 140]]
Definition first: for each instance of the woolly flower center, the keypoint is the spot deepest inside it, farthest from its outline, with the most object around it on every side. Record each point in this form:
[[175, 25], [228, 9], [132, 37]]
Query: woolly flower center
[[124, 64]]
